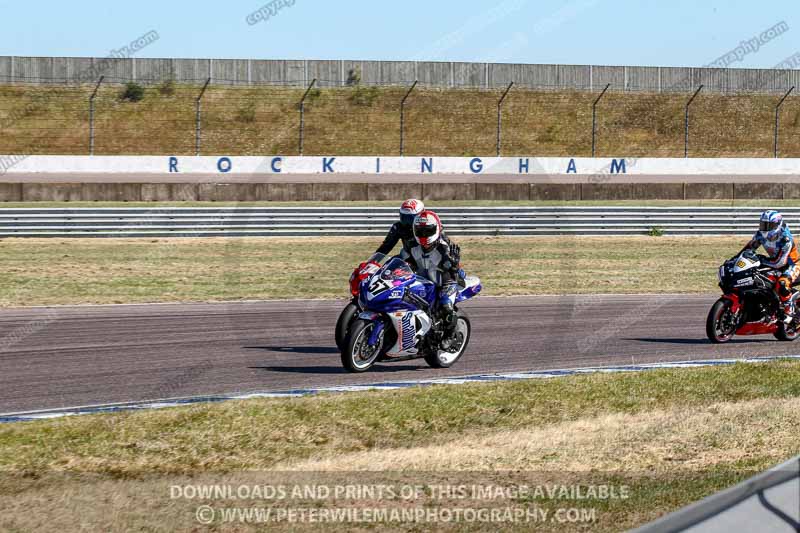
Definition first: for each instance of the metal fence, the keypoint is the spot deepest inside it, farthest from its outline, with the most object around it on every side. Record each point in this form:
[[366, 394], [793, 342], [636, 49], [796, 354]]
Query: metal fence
[[315, 222], [443, 74], [414, 119]]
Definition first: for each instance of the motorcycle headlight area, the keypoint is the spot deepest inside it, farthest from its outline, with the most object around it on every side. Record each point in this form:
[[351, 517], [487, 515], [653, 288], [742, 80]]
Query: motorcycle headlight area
[[721, 273]]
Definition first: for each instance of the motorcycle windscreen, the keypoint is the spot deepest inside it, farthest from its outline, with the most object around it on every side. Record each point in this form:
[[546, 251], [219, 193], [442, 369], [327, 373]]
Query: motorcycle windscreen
[[396, 270]]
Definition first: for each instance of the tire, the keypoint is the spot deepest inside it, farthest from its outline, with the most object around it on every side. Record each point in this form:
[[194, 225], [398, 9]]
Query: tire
[[787, 334], [352, 358], [791, 332], [442, 359], [715, 315], [343, 324]]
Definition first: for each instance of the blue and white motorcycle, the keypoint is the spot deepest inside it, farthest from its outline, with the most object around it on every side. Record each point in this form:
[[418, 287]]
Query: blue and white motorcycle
[[397, 321]]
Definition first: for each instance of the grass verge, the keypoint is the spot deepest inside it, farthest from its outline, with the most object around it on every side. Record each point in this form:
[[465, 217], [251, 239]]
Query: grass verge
[[104, 271], [670, 436]]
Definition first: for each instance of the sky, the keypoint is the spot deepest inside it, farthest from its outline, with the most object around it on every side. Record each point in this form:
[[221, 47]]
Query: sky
[[599, 32]]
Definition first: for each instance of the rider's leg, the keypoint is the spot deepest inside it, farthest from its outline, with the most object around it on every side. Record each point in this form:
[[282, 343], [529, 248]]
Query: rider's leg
[[784, 290], [447, 300]]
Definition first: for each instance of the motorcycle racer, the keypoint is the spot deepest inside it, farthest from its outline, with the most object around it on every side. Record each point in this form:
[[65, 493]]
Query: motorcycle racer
[[437, 259], [774, 235], [402, 230]]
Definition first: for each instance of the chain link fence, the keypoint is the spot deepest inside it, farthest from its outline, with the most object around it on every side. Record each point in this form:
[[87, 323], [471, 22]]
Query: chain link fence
[[326, 118]]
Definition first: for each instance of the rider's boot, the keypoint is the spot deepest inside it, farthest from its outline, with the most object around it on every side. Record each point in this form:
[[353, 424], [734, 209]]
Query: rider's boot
[[785, 292], [449, 321], [788, 310]]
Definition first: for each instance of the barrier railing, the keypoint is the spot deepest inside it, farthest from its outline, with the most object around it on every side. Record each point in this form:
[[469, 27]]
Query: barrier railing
[[336, 221]]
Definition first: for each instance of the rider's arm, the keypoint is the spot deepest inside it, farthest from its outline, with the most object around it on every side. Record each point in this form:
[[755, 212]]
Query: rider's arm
[[406, 256], [782, 259], [391, 240], [751, 245], [451, 261]]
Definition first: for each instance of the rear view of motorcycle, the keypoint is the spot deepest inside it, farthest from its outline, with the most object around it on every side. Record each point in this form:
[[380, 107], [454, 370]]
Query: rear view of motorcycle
[[749, 305]]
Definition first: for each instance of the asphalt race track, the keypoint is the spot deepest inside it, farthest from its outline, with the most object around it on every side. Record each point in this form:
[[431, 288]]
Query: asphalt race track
[[76, 356]]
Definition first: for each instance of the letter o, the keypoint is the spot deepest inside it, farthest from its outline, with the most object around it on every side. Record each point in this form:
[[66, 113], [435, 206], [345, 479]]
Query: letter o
[[224, 164]]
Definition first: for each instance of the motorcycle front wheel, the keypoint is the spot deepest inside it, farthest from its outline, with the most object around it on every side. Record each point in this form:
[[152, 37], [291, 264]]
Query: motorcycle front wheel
[[358, 355], [439, 358], [721, 322], [343, 324]]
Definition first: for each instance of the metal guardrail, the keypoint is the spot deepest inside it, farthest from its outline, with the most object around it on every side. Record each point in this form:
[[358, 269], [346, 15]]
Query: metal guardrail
[[321, 221]]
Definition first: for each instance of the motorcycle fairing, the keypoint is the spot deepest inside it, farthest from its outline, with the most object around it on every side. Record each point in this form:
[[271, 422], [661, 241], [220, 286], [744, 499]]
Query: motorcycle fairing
[[411, 326], [472, 287]]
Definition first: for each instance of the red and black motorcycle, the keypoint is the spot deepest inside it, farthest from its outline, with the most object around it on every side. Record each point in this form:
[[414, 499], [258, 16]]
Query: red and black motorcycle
[[350, 312], [749, 305]]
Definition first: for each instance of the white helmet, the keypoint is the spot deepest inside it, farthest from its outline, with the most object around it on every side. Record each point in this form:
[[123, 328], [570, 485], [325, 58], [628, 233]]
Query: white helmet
[[409, 210], [770, 224], [427, 229]]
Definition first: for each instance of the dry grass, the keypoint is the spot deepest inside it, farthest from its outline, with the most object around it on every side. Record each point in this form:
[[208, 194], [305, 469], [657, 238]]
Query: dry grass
[[671, 436], [365, 121], [79, 271], [656, 442], [275, 434]]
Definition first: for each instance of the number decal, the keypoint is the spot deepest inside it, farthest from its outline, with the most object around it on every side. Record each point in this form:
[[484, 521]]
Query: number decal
[[378, 286]]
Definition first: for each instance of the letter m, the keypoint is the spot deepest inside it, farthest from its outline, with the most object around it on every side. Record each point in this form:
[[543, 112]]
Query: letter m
[[618, 166]]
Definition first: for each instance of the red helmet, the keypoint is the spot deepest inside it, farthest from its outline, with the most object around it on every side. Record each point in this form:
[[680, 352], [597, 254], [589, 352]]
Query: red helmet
[[410, 209], [427, 229]]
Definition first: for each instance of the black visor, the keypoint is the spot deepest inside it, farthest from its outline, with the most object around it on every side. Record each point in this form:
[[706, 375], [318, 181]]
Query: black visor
[[407, 219], [428, 230], [768, 226]]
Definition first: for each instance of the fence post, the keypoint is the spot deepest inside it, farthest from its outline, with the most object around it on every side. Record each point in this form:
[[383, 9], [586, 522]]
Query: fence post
[[594, 118], [500, 116], [778, 117], [403, 118], [197, 129], [686, 122], [303, 114], [91, 115]]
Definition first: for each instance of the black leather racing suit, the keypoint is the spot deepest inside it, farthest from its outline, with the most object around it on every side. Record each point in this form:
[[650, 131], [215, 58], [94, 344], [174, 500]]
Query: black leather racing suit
[[397, 233]]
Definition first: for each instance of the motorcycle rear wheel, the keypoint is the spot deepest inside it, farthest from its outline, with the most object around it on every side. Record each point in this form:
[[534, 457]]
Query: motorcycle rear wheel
[[343, 324], [439, 358], [787, 333], [717, 331]]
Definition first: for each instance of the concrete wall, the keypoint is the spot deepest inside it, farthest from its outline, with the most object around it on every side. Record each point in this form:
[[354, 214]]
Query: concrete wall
[[321, 192], [447, 74], [599, 167]]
